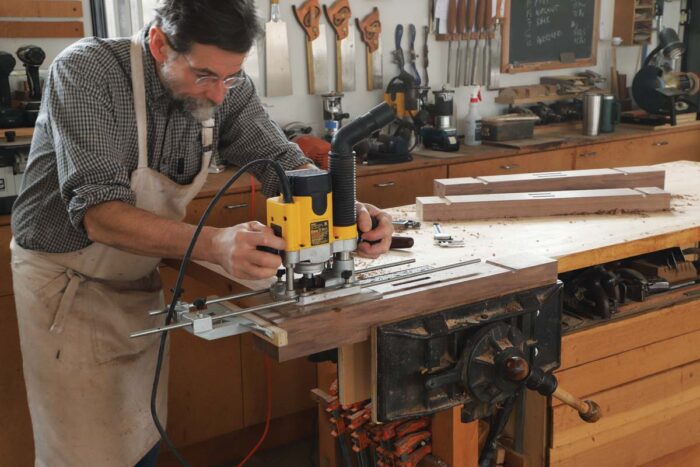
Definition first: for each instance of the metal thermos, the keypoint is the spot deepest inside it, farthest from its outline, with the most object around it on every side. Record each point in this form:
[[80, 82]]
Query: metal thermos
[[591, 113], [609, 114]]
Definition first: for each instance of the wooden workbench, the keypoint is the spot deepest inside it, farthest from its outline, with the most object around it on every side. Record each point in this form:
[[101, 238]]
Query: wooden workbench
[[575, 242]]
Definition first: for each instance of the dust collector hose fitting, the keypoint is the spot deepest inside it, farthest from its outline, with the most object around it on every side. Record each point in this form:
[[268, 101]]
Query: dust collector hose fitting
[[341, 161]]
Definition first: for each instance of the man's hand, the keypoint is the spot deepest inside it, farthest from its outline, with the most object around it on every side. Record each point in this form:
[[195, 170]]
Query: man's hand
[[235, 250], [382, 233]]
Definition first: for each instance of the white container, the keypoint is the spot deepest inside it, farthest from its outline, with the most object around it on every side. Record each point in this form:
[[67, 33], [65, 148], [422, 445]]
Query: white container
[[472, 127]]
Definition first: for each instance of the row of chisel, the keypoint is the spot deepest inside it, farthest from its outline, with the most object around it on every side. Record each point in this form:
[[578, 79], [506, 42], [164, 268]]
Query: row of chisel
[[477, 23]]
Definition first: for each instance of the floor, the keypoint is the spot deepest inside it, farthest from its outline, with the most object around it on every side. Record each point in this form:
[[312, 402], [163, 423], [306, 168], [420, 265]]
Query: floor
[[299, 454]]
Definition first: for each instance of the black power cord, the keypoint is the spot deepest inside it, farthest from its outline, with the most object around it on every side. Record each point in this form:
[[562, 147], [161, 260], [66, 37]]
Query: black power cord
[[177, 290]]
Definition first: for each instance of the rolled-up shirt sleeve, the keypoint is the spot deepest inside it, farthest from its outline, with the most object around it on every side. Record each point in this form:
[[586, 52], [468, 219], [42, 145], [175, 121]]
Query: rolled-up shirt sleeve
[[246, 133], [85, 140]]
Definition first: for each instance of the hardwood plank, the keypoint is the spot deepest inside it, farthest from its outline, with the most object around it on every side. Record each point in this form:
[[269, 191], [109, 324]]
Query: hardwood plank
[[308, 333], [624, 404], [553, 181], [454, 442], [41, 9], [661, 432], [354, 370], [16, 442], [41, 29], [500, 205], [626, 334], [629, 366]]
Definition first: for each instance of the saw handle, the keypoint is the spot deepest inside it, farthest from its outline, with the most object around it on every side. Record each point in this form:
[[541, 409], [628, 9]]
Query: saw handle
[[371, 28], [338, 15], [309, 17]]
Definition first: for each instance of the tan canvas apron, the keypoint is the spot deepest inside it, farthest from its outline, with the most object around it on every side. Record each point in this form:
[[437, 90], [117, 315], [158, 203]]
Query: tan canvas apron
[[88, 384]]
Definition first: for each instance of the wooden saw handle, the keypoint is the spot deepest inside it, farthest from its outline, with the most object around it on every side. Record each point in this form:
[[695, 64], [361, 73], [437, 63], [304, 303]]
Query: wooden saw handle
[[338, 15], [371, 28], [309, 17]]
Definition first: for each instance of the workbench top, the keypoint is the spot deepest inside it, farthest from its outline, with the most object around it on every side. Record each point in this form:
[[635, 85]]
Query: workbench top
[[575, 241]]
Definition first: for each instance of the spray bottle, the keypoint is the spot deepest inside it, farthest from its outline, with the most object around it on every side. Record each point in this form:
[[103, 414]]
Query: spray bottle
[[472, 129]]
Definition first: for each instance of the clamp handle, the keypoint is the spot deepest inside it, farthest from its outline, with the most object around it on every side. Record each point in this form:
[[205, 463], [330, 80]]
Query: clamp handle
[[308, 16]]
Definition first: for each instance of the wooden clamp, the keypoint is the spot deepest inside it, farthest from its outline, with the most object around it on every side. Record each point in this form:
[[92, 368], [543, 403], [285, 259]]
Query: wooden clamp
[[370, 27], [309, 17], [338, 15]]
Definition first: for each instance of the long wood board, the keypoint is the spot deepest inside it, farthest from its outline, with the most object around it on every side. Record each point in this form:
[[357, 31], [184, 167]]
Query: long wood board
[[338, 324], [39, 29], [505, 205], [593, 179], [41, 8]]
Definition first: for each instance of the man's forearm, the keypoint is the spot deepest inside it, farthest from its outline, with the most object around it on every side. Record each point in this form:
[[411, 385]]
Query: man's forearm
[[128, 228]]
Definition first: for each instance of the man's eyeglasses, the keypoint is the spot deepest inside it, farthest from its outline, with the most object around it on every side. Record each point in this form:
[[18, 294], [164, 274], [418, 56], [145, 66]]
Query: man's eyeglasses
[[206, 79]]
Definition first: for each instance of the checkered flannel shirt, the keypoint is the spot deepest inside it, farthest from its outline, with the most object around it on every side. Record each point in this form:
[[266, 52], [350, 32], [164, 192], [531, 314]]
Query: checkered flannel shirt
[[85, 142]]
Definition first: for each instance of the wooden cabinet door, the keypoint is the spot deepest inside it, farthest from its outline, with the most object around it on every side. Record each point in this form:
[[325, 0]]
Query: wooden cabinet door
[[561, 159], [646, 150], [5, 271], [398, 188], [16, 442], [230, 210]]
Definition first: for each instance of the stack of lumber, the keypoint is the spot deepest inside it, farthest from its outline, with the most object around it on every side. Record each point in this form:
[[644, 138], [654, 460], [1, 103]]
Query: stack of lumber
[[597, 191]]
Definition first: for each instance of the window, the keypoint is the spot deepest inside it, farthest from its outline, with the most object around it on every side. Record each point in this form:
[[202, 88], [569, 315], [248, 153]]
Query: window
[[123, 18]]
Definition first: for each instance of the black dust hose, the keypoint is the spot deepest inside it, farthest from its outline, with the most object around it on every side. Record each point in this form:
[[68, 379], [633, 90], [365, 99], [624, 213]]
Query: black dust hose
[[341, 161]]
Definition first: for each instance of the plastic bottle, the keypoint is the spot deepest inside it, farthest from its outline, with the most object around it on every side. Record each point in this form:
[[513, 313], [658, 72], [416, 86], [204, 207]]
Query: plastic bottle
[[472, 128]]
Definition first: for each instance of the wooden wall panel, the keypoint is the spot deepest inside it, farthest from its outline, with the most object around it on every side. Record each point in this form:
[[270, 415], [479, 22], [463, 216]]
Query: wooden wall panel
[[41, 8], [41, 29]]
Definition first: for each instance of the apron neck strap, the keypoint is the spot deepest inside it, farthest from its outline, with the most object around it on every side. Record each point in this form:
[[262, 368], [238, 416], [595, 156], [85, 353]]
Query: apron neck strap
[[139, 90]]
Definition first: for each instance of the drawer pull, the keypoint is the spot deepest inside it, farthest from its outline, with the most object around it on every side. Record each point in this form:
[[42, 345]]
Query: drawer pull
[[236, 206], [385, 184], [661, 143], [589, 154], [510, 166]]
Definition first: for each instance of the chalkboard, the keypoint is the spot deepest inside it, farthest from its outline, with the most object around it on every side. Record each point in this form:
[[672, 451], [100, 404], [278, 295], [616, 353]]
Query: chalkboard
[[547, 34]]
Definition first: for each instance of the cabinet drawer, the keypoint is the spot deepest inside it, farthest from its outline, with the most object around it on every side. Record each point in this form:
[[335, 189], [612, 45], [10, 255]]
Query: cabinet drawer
[[398, 188], [646, 150], [5, 272], [539, 162], [229, 211]]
